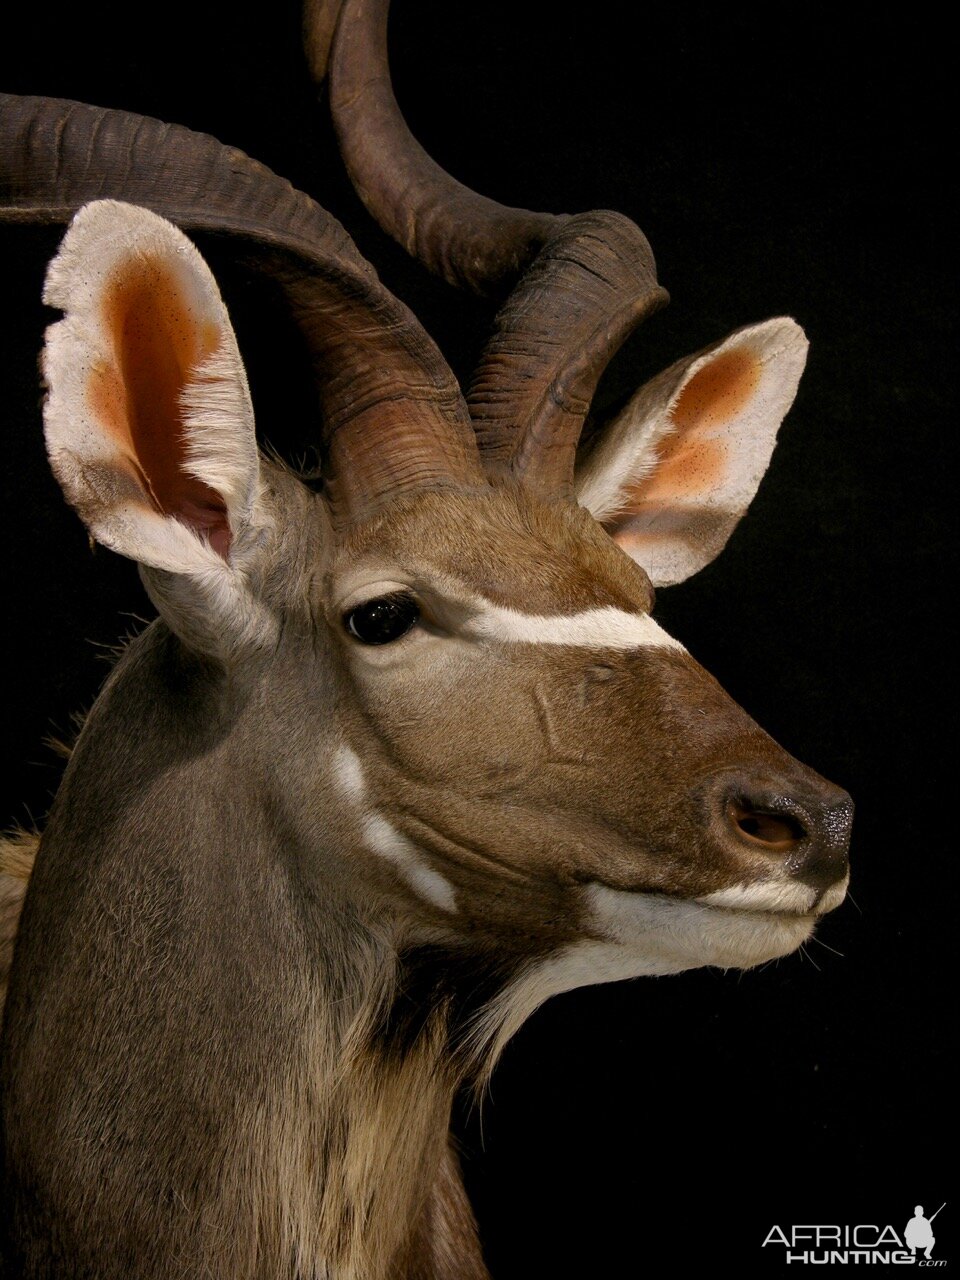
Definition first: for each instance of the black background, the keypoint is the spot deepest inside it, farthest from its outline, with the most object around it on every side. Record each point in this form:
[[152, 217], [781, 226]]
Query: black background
[[662, 1124]]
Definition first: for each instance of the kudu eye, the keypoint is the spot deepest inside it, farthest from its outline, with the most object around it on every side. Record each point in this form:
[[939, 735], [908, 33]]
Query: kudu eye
[[383, 619]]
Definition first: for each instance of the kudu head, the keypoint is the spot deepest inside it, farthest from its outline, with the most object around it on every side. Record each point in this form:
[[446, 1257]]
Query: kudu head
[[464, 711]]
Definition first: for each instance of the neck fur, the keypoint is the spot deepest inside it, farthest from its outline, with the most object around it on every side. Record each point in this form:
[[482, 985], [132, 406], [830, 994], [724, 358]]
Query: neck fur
[[272, 1096], [357, 1179]]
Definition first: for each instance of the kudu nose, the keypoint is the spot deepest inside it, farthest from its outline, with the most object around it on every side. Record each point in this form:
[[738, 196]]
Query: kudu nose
[[804, 825]]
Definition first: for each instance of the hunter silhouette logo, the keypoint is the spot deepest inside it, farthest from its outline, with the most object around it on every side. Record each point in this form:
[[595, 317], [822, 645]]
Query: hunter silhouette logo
[[822, 1244], [918, 1233]]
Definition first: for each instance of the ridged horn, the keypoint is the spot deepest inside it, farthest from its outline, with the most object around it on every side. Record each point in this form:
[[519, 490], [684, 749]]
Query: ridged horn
[[586, 281], [467, 239]]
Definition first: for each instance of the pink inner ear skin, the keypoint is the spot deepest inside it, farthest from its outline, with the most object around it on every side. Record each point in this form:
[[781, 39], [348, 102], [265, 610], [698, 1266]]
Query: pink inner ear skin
[[718, 391], [158, 341], [692, 467], [695, 458]]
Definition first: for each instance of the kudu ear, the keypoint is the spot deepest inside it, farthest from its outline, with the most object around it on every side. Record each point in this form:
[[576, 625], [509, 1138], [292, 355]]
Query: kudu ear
[[148, 418], [671, 476]]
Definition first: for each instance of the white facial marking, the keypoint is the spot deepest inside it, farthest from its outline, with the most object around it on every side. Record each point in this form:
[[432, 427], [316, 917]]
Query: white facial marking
[[389, 843], [644, 934], [348, 772], [582, 964], [606, 628], [668, 934], [777, 895], [834, 895], [767, 895]]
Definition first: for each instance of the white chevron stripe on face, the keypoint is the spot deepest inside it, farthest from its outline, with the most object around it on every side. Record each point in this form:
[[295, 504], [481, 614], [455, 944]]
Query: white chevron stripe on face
[[603, 628]]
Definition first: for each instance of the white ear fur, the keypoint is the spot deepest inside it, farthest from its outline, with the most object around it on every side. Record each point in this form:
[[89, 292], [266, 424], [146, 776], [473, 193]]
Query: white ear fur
[[148, 418], [672, 475]]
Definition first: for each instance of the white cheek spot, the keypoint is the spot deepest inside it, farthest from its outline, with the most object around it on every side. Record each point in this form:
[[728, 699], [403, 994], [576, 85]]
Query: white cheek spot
[[606, 628], [348, 773], [389, 843], [386, 841]]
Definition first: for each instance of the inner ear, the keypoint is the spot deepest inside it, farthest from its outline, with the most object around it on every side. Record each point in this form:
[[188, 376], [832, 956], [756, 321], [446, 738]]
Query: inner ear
[[719, 390], [148, 419], [160, 340], [672, 474], [694, 458]]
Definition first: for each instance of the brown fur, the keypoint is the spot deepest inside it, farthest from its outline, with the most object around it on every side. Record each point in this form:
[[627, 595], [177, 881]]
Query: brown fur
[[18, 849], [264, 1019], [570, 791], [296, 889], [241, 950]]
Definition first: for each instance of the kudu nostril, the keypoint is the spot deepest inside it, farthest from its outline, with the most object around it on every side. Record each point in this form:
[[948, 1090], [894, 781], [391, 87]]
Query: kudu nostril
[[802, 822], [766, 826]]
